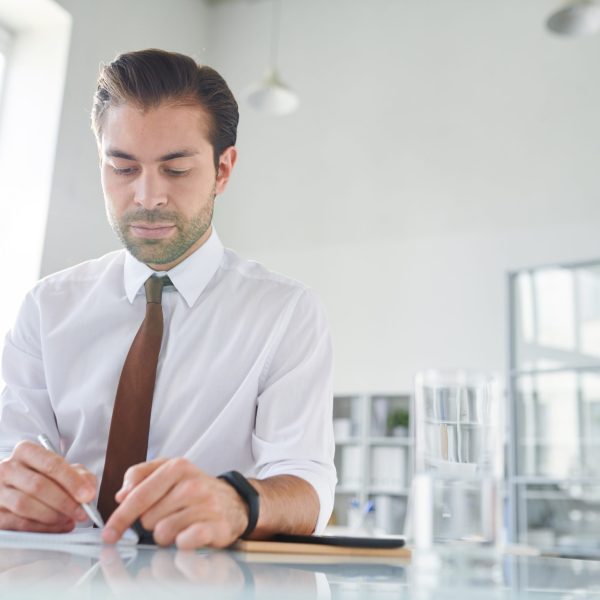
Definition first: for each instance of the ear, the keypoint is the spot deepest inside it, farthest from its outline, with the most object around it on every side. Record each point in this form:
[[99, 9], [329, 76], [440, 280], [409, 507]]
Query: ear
[[226, 164]]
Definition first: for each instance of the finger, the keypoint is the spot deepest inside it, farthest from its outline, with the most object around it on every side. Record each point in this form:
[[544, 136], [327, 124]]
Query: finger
[[136, 474], [44, 490], [200, 535], [91, 478], [215, 568], [145, 495], [211, 529], [167, 529], [162, 567], [112, 566], [56, 468], [10, 521], [197, 568], [23, 505], [183, 494]]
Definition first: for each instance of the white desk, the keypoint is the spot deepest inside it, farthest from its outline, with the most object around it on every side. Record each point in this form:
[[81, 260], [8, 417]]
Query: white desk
[[153, 573]]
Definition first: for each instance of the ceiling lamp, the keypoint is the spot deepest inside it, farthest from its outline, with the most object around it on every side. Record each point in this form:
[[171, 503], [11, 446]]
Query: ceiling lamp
[[271, 96], [579, 18]]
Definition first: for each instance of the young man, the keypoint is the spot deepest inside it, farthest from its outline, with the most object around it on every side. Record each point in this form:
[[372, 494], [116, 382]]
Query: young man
[[229, 372]]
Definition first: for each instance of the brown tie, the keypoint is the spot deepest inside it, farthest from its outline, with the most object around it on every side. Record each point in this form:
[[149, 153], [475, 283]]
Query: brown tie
[[130, 423]]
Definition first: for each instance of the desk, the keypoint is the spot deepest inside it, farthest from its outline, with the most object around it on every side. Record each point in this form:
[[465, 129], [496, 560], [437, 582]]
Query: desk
[[156, 573]]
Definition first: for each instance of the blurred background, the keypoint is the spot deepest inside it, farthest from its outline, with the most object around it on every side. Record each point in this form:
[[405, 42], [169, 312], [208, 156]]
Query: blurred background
[[439, 151]]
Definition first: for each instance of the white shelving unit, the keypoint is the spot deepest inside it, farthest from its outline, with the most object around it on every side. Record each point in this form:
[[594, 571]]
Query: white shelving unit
[[373, 461]]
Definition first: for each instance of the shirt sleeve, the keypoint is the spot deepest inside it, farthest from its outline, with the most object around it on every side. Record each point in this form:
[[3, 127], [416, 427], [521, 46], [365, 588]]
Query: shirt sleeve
[[294, 428], [25, 408]]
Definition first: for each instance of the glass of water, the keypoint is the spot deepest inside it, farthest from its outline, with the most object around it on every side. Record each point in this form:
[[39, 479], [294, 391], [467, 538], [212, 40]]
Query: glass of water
[[459, 450]]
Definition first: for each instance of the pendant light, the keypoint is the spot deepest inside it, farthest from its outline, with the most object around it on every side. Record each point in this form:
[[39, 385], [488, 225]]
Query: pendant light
[[271, 96], [581, 17]]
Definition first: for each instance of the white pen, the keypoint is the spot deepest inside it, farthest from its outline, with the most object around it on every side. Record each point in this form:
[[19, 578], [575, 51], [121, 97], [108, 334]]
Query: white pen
[[91, 512]]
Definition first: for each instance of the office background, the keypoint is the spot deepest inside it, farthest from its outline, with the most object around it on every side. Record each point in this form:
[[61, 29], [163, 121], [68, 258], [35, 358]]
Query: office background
[[437, 146]]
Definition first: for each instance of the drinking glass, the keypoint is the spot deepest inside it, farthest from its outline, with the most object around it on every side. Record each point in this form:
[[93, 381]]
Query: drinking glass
[[459, 429]]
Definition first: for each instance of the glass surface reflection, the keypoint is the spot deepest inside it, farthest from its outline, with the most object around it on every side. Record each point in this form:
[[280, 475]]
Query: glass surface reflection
[[166, 573]]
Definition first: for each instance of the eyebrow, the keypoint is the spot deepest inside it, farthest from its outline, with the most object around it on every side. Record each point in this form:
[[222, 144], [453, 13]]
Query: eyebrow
[[184, 153]]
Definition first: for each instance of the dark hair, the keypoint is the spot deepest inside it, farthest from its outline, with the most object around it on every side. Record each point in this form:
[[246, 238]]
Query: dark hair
[[150, 77]]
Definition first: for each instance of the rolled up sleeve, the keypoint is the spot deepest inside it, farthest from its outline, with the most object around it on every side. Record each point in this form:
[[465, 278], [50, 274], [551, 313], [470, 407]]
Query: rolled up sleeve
[[294, 429]]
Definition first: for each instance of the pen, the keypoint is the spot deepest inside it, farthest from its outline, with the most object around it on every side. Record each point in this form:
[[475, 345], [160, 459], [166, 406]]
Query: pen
[[91, 512]]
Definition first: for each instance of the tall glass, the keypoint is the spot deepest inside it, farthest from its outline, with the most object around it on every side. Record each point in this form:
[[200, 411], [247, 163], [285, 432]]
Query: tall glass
[[458, 420]]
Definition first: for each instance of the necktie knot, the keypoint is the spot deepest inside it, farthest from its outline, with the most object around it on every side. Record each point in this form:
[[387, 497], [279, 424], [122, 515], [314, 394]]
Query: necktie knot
[[154, 287]]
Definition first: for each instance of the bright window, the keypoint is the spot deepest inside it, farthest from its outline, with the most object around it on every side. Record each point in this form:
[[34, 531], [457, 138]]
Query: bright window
[[5, 39], [34, 40]]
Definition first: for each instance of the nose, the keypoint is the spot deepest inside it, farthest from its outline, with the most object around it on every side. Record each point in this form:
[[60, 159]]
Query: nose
[[150, 191]]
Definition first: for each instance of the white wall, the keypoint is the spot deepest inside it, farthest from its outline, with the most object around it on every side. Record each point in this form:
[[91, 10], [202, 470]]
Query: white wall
[[77, 227], [438, 145]]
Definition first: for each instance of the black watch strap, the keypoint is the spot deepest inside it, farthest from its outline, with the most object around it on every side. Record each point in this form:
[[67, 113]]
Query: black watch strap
[[247, 493]]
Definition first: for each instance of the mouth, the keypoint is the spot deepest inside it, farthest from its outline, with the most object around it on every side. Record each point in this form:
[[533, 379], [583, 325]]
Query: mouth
[[152, 230]]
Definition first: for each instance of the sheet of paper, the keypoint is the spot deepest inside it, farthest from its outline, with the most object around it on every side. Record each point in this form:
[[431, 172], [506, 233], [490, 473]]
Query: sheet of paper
[[82, 535]]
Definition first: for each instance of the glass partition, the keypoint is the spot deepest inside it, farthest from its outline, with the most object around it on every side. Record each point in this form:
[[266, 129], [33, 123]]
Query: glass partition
[[554, 390]]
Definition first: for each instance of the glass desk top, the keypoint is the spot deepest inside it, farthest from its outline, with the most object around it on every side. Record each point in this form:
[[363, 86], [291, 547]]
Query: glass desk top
[[146, 572]]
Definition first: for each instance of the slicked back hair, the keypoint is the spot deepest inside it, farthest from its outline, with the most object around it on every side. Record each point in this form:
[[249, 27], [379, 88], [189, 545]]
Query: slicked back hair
[[149, 78]]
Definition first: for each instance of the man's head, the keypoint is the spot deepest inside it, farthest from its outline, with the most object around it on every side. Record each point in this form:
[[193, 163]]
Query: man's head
[[148, 78], [166, 129]]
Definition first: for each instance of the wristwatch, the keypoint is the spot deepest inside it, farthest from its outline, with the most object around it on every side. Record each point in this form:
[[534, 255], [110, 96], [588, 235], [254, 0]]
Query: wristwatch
[[248, 494]]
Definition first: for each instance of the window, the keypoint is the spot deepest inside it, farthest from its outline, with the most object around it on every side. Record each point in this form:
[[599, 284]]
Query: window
[[5, 39], [34, 39]]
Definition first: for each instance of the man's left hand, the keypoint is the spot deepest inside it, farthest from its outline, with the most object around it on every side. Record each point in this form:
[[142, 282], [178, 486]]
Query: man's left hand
[[180, 504]]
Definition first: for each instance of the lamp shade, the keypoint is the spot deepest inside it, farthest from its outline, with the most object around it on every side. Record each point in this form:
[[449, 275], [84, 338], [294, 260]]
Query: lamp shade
[[581, 18], [271, 96]]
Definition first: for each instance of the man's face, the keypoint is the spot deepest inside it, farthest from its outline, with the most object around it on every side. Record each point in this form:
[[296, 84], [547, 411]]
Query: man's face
[[160, 181]]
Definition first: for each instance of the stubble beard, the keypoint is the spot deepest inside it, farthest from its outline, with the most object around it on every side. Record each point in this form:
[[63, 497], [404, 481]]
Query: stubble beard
[[162, 251]]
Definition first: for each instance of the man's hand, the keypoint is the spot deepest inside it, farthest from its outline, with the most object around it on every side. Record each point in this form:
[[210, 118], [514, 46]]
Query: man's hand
[[180, 504], [40, 491]]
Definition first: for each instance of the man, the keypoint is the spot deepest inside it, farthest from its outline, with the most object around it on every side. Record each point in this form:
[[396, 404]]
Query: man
[[238, 371]]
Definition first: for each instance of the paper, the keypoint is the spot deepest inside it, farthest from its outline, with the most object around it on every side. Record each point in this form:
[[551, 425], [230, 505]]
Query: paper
[[79, 536]]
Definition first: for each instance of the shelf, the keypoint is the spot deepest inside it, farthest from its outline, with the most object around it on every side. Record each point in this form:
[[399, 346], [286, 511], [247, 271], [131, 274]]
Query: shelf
[[515, 373], [347, 489], [348, 442], [372, 467], [537, 480], [376, 490], [555, 442], [389, 441], [560, 495]]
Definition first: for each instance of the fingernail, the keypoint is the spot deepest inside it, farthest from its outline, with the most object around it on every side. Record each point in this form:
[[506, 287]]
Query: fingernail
[[85, 493], [109, 535], [125, 487]]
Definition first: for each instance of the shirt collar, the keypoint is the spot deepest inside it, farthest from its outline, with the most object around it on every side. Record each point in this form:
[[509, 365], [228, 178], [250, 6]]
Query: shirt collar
[[189, 277]]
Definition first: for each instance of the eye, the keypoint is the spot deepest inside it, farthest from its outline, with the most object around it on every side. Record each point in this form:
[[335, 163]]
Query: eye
[[177, 172], [124, 171]]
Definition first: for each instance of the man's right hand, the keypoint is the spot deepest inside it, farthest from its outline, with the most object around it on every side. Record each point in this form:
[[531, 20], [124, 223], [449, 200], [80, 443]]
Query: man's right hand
[[41, 491]]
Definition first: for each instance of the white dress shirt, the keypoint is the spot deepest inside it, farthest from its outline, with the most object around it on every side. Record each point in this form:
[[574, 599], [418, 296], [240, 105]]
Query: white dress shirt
[[243, 379]]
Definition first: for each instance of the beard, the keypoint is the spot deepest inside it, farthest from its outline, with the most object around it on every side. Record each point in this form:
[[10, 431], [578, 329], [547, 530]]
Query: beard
[[162, 251]]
